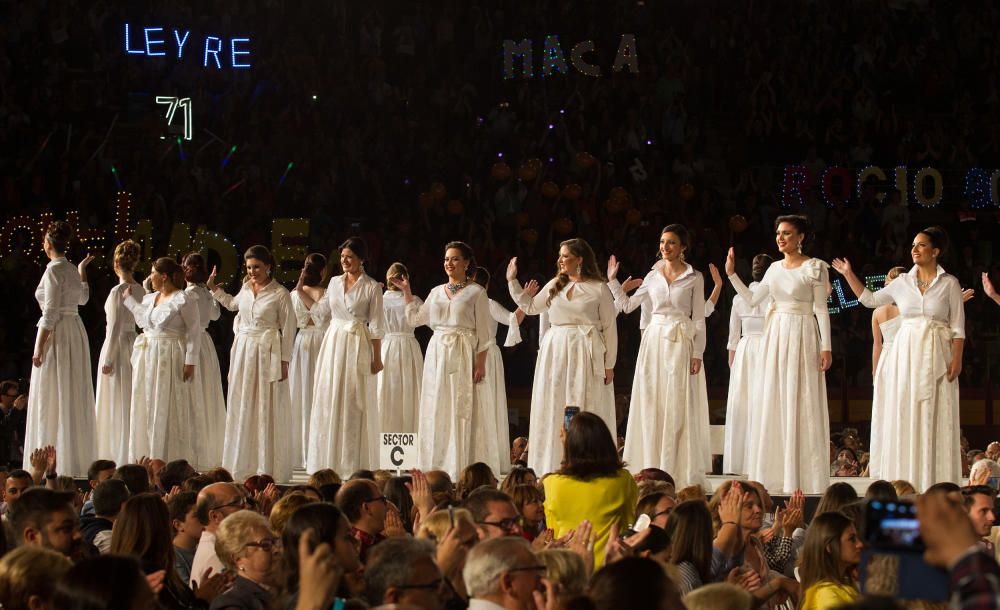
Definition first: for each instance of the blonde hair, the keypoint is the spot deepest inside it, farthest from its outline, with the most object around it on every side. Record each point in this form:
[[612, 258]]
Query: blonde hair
[[691, 492], [127, 255], [718, 596], [894, 273], [284, 509], [235, 532], [30, 571], [903, 488], [395, 271], [326, 476], [566, 568], [437, 524], [649, 487]]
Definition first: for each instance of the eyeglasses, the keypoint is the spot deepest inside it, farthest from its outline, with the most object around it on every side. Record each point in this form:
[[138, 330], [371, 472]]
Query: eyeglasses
[[662, 512], [378, 499], [539, 570], [240, 503], [267, 544], [507, 525], [434, 585]]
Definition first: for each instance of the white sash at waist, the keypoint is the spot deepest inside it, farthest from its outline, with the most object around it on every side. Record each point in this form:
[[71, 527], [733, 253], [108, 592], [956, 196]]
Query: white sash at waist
[[459, 342], [399, 335], [148, 336], [679, 327], [925, 350], [269, 341]]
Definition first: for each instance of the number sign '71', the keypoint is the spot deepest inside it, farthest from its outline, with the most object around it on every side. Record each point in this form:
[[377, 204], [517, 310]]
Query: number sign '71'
[[173, 103]]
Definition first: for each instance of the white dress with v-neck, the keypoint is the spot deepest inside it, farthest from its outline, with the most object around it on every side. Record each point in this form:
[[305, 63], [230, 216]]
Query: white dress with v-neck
[[449, 401]]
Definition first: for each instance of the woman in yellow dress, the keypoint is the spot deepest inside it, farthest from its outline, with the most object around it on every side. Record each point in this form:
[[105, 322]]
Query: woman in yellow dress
[[831, 553]]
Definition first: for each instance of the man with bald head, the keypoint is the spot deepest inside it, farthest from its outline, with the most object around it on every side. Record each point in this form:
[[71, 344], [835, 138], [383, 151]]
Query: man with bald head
[[215, 502]]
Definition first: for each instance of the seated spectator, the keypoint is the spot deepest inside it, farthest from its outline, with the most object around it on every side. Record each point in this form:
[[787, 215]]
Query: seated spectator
[[283, 509], [365, 508], [396, 492], [980, 501], [654, 545], [690, 535], [846, 464], [634, 583], [982, 471], [655, 474], [174, 474], [186, 529], [565, 569], [250, 550], [13, 423], [528, 501], [43, 517], [215, 503], [504, 573], [473, 477], [197, 483], [153, 469], [456, 522], [903, 488], [323, 477], [881, 490], [27, 575], [519, 452], [519, 475], [107, 582], [691, 492], [836, 497], [135, 476], [592, 484], [381, 477], [17, 481], [719, 596], [99, 470], [829, 558], [657, 506], [402, 571], [993, 451], [310, 492], [441, 487], [494, 513], [368, 475], [320, 523], [219, 475], [109, 497]]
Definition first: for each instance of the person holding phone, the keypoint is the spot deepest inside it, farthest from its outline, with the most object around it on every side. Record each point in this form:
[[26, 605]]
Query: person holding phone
[[61, 401], [791, 451], [576, 356], [668, 415], [921, 435]]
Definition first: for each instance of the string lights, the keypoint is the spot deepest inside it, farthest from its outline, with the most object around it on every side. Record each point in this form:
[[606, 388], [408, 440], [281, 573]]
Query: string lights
[[919, 187]]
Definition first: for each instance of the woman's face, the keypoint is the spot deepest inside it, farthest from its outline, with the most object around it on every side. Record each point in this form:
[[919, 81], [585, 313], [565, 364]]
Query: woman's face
[[532, 510], [670, 247], [569, 263], [157, 279], [455, 264], [846, 457], [922, 252], [345, 546], [259, 560], [752, 517], [788, 238], [257, 270], [850, 548], [661, 512], [349, 261]]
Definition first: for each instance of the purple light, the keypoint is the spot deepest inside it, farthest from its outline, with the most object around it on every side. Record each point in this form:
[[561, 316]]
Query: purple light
[[552, 159], [551, 126], [562, 111], [500, 155], [649, 142], [406, 181]]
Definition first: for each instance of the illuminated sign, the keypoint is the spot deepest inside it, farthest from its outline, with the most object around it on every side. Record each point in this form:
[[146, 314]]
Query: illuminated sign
[[154, 42]]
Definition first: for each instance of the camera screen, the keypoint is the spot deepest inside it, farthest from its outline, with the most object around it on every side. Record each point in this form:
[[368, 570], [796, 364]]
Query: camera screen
[[892, 525]]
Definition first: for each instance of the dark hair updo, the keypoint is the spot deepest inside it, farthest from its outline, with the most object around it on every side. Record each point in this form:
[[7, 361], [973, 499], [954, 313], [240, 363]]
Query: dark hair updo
[[195, 268], [467, 254], [314, 268], [357, 246], [171, 269], [482, 277], [680, 231], [938, 238], [801, 224], [59, 235], [260, 253]]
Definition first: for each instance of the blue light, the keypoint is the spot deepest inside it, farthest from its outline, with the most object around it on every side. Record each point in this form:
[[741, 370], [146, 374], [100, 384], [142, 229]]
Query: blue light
[[150, 43], [127, 49], [181, 41], [234, 52], [215, 53]]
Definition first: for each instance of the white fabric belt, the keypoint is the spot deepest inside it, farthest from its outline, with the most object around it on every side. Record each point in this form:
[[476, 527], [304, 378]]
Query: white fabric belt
[[358, 328], [679, 326], [460, 340], [142, 342], [795, 307], [926, 352], [69, 311], [269, 340], [399, 334]]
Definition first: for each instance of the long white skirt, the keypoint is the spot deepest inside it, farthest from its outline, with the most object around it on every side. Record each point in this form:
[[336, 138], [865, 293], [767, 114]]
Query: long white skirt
[[114, 400], [490, 433], [399, 383], [566, 375], [744, 384], [257, 422], [301, 377], [210, 407], [447, 401], [163, 408], [920, 439], [668, 415], [344, 414], [61, 399], [793, 451]]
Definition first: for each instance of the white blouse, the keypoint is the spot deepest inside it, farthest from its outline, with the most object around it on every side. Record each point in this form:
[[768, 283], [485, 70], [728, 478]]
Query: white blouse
[[746, 320], [591, 304], [119, 319], [362, 303], [468, 310], [208, 308], [305, 317], [942, 301], [177, 313], [801, 289], [394, 311], [685, 296], [500, 315], [59, 292], [270, 308]]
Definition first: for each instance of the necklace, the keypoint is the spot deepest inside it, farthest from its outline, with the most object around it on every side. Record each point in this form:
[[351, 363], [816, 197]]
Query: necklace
[[923, 283], [454, 288]]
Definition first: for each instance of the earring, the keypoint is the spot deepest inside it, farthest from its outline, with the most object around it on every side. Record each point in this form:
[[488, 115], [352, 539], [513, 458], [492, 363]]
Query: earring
[[682, 257], [579, 269], [799, 247]]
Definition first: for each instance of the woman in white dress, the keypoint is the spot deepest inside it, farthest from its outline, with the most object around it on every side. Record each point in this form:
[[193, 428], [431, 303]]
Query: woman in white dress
[[163, 362], [794, 429], [459, 314], [885, 324], [399, 383], [492, 392], [257, 423], [576, 357], [61, 397], [746, 328], [206, 387], [668, 415], [343, 424], [114, 384], [918, 376], [312, 327]]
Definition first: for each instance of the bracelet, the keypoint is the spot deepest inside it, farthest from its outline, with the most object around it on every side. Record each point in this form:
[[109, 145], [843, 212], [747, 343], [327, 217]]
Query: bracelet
[[730, 523], [51, 476]]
